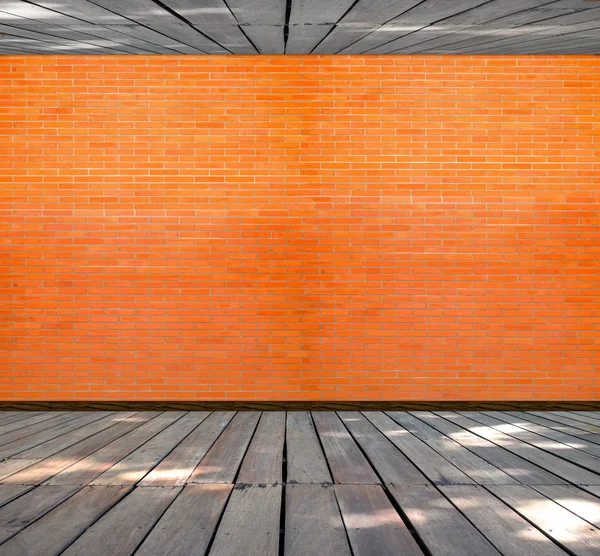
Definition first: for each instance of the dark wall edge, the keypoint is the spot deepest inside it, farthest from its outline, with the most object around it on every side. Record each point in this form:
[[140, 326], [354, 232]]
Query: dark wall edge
[[298, 405]]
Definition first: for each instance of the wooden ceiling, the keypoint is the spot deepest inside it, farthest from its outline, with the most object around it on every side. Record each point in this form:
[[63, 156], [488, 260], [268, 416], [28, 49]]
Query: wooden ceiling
[[300, 26]]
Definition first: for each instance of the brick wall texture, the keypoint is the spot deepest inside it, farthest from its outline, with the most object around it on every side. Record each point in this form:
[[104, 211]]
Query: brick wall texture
[[299, 227]]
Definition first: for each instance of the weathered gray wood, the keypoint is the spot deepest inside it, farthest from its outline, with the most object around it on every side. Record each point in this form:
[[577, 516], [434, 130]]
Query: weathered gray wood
[[46, 449], [9, 417], [250, 524], [305, 459], [561, 437], [565, 428], [585, 417], [469, 463], [313, 524], [263, 460], [302, 39], [11, 466], [176, 468], [188, 525], [9, 492], [562, 417], [222, 461], [45, 419], [575, 500], [268, 39], [505, 529], [442, 528], [541, 458], [88, 468], [137, 464], [560, 524], [437, 469], [559, 449], [346, 461], [46, 468], [521, 469], [258, 12], [391, 464], [373, 525], [31, 506], [20, 445], [56, 530], [120, 531]]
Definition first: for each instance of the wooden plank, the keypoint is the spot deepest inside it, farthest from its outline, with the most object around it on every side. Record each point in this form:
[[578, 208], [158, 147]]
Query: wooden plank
[[469, 463], [566, 428], [46, 468], [268, 39], [26, 509], [391, 464], [258, 12], [250, 524], [25, 424], [54, 445], [559, 449], [521, 469], [124, 527], [176, 468], [136, 465], [545, 460], [215, 20], [187, 526], [9, 417], [222, 461], [564, 527], [11, 466], [56, 530], [441, 527], [373, 525], [583, 416], [346, 461], [547, 432], [87, 469], [436, 469], [505, 529], [303, 38], [362, 20], [313, 524], [305, 459], [20, 445], [575, 500], [152, 15], [561, 417], [263, 460], [9, 492]]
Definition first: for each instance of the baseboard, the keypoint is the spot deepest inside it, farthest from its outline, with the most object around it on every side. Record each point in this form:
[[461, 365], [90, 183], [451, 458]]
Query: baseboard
[[470, 405]]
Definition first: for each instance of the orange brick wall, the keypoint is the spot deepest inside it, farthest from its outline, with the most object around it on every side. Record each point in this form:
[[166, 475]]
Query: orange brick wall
[[352, 227]]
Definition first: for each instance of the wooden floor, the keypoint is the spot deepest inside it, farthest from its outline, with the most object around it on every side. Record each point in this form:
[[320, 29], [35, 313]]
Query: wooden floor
[[300, 484]]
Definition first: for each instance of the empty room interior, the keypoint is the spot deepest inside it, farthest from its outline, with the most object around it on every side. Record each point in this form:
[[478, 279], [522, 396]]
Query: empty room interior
[[299, 277]]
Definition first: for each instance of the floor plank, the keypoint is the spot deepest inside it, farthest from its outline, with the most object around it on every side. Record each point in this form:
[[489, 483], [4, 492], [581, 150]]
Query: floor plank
[[250, 524], [443, 529], [136, 465], [551, 446], [124, 527], [305, 459], [521, 469], [87, 469], [575, 500], [222, 461], [436, 468], [26, 509], [541, 458], [505, 529], [479, 470], [263, 460], [313, 524], [547, 432], [346, 461], [188, 525], [577, 432], [389, 462], [176, 468], [557, 522], [9, 492], [54, 532], [373, 525]]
